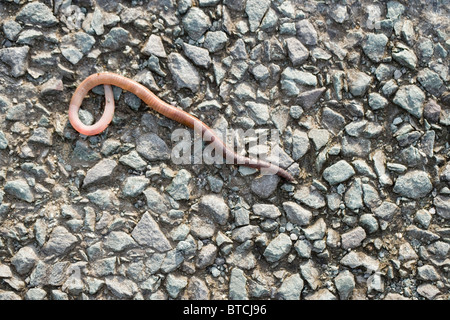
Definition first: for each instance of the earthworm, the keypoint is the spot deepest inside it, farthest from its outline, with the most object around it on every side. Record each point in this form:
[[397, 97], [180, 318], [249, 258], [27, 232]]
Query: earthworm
[[171, 112]]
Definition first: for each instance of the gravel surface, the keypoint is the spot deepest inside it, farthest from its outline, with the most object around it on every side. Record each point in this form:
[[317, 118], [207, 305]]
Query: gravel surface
[[357, 90]]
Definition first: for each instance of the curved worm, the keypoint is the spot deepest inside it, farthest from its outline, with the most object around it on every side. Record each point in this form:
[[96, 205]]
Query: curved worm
[[171, 112]]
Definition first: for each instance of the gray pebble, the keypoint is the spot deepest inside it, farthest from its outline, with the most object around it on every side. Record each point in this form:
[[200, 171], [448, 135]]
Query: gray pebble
[[16, 59], [118, 241], [316, 231], [306, 32], [214, 206], [278, 248], [183, 72], [60, 241], [100, 172], [134, 186], [291, 288], [298, 53], [338, 172], [116, 39], [237, 285], [196, 23], [199, 56], [296, 213], [20, 189], [256, 9], [414, 184], [24, 259], [374, 46], [369, 223], [215, 41], [353, 238], [154, 46], [147, 233], [345, 284], [36, 13]]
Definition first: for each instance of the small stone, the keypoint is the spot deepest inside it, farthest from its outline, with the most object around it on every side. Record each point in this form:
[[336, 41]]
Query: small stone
[[386, 210], [178, 188], [259, 112], [152, 147], [296, 213], [184, 73], [263, 186], [175, 284], [428, 273], [121, 287], [24, 259], [237, 285], [442, 204], [269, 211], [239, 51], [35, 294], [345, 284], [202, 227], [309, 98], [404, 56], [353, 197], [423, 217], [206, 256], [118, 241], [215, 41], [133, 160], [432, 111], [300, 144], [332, 120], [16, 59], [306, 32], [116, 39], [37, 13], [20, 189], [353, 238], [374, 46], [339, 13], [11, 29], [414, 184], [377, 101], [428, 290], [134, 186], [100, 172], [148, 233], [255, 10], [154, 46], [214, 206], [369, 223], [358, 82], [60, 241], [291, 288], [431, 81], [310, 196], [319, 137], [316, 231], [298, 53], [278, 248], [310, 273], [42, 136], [410, 98], [197, 289], [199, 56], [338, 172], [355, 259], [196, 22]]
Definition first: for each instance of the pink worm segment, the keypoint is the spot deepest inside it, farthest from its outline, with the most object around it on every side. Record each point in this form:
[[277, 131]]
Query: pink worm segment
[[108, 79]]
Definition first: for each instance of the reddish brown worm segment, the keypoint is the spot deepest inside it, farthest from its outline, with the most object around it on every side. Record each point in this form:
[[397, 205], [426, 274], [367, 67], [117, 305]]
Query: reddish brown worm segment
[[171, 112]]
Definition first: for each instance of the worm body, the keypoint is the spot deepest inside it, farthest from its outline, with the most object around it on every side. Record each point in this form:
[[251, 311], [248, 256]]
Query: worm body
[[171, 112]]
